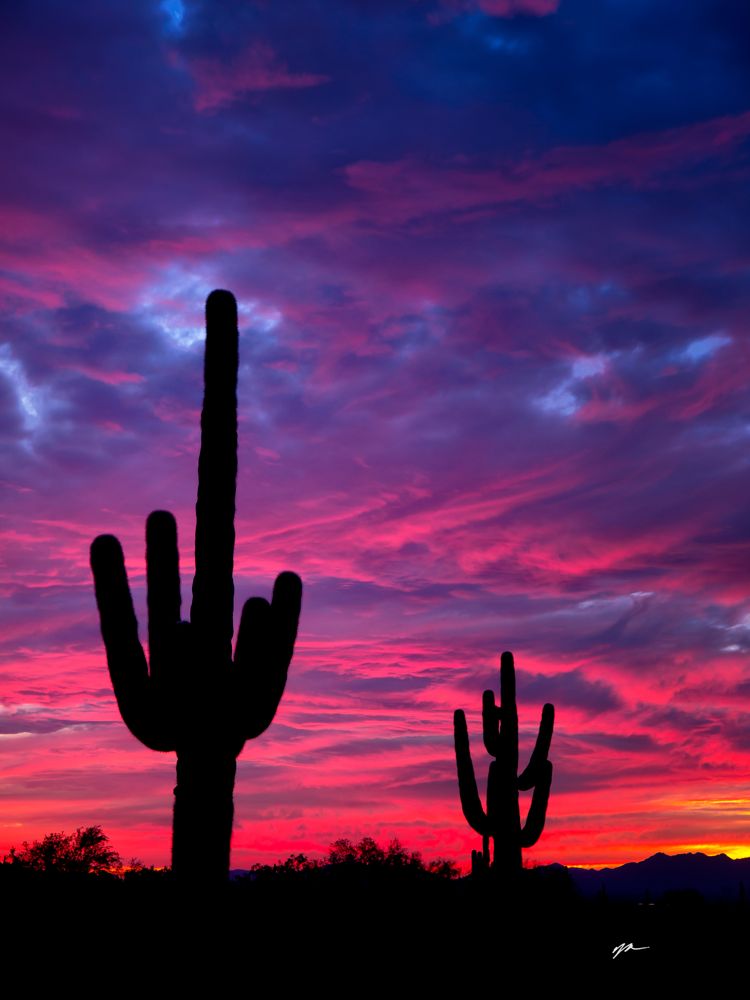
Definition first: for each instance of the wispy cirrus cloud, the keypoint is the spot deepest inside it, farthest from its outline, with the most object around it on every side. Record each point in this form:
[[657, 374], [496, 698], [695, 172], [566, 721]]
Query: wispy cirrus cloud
[[254, 70], [406, 190], [503, 8]]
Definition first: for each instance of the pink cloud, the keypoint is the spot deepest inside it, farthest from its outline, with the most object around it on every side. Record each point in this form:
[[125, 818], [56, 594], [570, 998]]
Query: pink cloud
[[407, 189], [498, 8], [256, 69], [106, 377], [510, 8]]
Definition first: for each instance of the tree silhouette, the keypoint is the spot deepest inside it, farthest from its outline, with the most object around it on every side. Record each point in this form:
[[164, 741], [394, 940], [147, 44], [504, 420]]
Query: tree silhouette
[[193, 696], [346, 858], [85, 852], [395, 857]]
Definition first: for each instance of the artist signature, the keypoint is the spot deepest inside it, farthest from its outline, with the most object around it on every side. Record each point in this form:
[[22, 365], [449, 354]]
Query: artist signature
[[622, 948]]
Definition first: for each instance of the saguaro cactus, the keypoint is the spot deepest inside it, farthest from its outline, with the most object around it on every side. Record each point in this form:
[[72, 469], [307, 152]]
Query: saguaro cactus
[[480, 860], [502, 819], [193, 696]]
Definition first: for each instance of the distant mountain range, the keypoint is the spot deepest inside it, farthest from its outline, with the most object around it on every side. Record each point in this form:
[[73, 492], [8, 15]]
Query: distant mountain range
[[714, 876]]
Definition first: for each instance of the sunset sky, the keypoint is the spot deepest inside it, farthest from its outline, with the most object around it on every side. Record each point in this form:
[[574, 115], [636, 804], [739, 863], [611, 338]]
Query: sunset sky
[[493, 266]]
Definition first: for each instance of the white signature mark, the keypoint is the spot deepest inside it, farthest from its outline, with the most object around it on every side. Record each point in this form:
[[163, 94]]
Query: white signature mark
[[621, 948]]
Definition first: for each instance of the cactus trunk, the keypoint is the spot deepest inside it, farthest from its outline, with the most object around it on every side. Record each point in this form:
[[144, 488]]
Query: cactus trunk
[[504, 812], [203, 814]]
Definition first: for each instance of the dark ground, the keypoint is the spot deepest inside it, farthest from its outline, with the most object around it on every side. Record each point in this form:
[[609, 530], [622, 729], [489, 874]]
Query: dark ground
[[354, 935]]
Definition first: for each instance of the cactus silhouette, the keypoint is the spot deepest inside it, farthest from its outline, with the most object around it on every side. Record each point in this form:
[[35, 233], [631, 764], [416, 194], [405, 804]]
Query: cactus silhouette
[[480, 860], [502, 819], [193, 696]]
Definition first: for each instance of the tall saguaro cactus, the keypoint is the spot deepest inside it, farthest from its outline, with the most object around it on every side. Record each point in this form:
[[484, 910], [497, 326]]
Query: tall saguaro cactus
[[193, 696], [502, 818]]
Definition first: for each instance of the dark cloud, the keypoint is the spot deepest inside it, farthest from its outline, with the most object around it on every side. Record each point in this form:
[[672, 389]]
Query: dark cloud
[[572, 689]]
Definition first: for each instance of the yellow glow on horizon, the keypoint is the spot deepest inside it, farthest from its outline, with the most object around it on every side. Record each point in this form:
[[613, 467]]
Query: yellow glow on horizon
[[734, 851], [741, 806]]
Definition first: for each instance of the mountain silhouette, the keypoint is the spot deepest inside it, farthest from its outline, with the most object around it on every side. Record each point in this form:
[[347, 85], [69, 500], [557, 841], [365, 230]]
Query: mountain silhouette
[[714, 876]]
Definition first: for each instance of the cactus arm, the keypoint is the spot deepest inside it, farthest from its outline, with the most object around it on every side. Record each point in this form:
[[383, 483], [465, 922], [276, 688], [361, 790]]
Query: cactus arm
[[490, 723], [125, 657], [494, 798], [467, 784], [213, 588], [265, 642], [254, 633], [163, 582], [529, 776], [286, 605], [256, 678], [532, 830]]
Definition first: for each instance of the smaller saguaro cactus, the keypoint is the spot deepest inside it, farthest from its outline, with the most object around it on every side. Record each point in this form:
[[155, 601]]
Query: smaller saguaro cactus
[[194, 696], [502, 819], [480, 860]]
